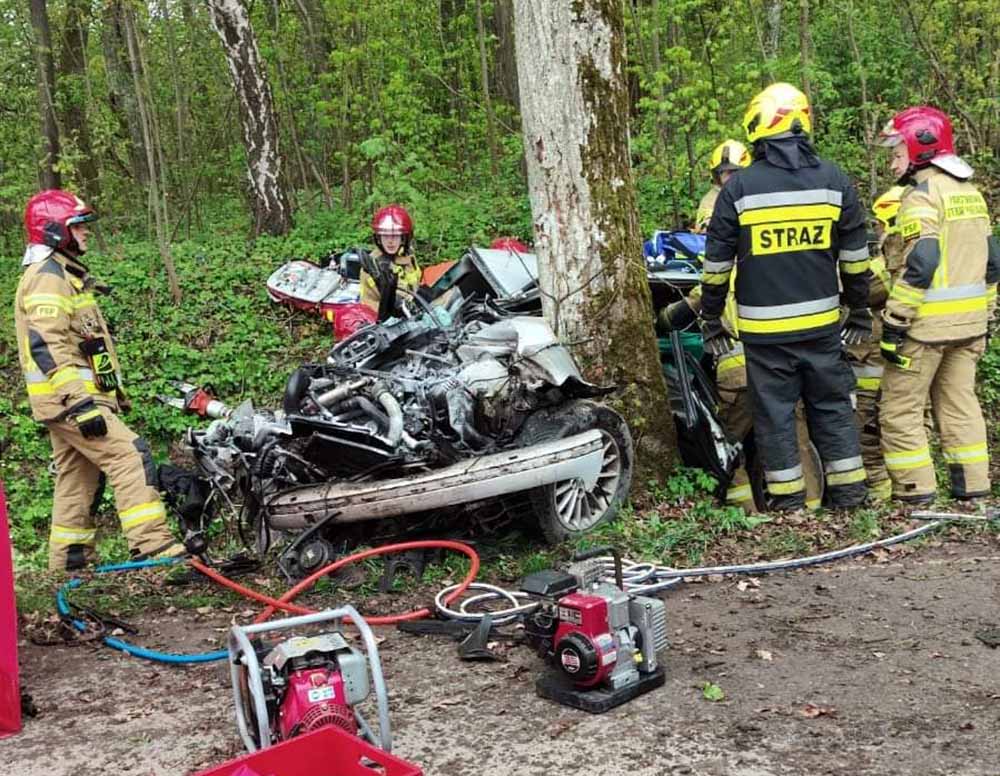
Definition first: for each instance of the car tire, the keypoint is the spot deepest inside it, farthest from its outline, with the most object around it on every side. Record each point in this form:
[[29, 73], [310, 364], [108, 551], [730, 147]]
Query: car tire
[[564, 510]]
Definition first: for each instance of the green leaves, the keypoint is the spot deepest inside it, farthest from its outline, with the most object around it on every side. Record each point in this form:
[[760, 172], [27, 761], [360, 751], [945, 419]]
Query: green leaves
[[712, 692]]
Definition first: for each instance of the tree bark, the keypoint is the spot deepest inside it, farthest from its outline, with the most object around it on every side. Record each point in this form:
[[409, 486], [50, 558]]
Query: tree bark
[[772, 35], [121, 88], [73, 66], [805, 58], [157, 205], [269, 197], [505, 68], [49, 177], [484, 81], [591, 273]]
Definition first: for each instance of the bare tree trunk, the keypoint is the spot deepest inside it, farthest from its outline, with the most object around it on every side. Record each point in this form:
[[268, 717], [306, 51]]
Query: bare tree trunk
[[484, 80], [506, 63], [121, 88], [591, 273], [867, 115], [49, 177], [772, 33], [272, 212], [805, 57], [73, 64], [156, 203]]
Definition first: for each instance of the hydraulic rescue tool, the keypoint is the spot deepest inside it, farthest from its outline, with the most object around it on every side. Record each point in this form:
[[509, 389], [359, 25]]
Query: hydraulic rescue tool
[[305, 682], [600, 641]]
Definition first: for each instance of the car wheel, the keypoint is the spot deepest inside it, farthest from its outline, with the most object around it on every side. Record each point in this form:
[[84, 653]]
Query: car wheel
[[567, 509]]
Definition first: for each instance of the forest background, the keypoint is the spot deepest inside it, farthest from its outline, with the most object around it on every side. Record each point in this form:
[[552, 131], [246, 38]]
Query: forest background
[[132, 105]]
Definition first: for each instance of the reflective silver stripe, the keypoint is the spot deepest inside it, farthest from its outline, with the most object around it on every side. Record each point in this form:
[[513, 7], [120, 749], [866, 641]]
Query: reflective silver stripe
[[784, 475], [736, 351], [867, 371], [779, 198], [843, 465], [856, 255], [717, 266], [39, 377], [955, 292], [765, 313]]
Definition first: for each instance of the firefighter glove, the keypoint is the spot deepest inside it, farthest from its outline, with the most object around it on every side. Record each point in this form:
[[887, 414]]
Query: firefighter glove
[[676, 316], [858, 327], [96, 351], [892, 342], [89, 420], [716, 341]]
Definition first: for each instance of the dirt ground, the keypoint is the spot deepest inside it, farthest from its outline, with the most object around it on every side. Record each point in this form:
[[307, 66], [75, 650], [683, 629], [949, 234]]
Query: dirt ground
[[867, 667]]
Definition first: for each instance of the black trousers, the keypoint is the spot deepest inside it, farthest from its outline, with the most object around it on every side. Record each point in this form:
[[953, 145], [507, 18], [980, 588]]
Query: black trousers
[[778, 375]]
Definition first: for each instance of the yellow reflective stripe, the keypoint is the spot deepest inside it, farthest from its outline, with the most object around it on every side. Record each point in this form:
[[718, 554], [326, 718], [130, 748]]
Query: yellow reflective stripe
[[908, 459], [40, 389], [910, 213], [730, 362], [880, 491], [715, 278], [84, 300], [812, 503], [855, 267], [789, 213], [141, 513], [966, 454], [953, 307], [907, 294], [784, 488], [59, 534], [739, 493], [795, 323], [869, 383], [66, 374], [845, 478], [991, 292], [877, 266], [64, 303]]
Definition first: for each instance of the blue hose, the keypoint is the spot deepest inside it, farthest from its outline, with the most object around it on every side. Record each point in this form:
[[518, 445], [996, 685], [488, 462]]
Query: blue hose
[[62, 605]]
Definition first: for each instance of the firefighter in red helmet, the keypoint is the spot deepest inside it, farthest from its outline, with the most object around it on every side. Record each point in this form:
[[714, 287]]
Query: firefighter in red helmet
[[391, 265], [75, 389], [937, 318]]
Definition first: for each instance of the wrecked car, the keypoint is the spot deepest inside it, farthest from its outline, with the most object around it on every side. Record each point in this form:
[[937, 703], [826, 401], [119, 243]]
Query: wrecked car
[[452, 409]]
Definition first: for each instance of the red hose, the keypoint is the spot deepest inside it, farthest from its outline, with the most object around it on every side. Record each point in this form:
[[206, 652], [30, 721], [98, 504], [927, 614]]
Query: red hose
[[284, 603]]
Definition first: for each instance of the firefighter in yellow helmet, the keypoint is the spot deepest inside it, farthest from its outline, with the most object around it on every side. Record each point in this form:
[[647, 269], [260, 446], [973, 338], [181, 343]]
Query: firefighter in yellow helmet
[[864, 355], [728, 157], [75, 389], [794, 224], [936, 320]]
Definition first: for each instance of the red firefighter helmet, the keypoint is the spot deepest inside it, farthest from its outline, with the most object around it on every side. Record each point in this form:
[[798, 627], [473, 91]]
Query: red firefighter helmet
[[509, 244], [393, 219], [49, 215], [928, 137]]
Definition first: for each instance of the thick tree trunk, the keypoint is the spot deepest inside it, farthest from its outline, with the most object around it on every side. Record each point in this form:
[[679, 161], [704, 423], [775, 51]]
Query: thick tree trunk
[[772, 29], [591, 273], [49, 177], [73, 67], [121, 87], [272, 212]]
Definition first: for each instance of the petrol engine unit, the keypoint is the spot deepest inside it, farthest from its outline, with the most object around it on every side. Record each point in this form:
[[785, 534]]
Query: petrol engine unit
[[600, 641]]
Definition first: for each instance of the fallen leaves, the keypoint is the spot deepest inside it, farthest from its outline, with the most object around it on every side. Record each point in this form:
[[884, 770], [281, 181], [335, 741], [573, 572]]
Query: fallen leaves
[[765, 655], [812, 711]]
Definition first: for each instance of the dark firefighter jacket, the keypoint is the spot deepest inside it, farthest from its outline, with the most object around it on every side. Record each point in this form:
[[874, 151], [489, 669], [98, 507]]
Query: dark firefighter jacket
[[793, 223]]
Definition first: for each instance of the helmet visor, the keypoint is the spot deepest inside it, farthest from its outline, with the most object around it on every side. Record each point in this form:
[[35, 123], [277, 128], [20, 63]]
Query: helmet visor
[[889, 136]]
